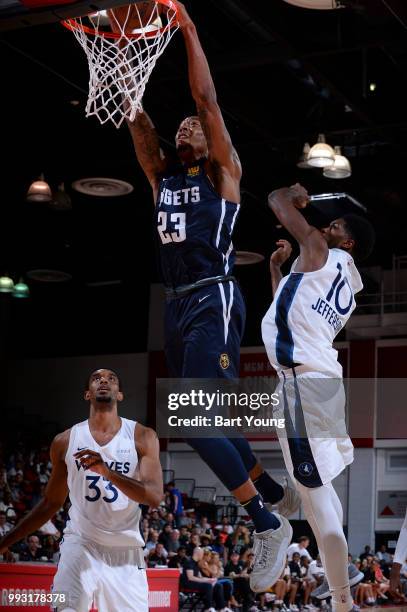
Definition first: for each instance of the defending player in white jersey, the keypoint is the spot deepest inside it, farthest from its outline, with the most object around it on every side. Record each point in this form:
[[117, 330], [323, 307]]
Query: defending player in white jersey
[[310, 306], [108, 465]]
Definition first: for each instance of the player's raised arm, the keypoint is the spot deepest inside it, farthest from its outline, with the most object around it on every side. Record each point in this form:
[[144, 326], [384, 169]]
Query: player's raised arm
[[147, 147], [142, 130], [220, 148], [285, 203], [277, 259], [54, 497]]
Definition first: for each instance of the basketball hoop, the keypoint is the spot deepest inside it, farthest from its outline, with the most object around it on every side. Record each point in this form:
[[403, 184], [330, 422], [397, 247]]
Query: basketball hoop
[[122, 47]]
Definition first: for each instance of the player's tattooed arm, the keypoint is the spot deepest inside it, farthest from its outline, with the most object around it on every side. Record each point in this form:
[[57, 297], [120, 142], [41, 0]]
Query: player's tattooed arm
[[54, 496], [147, 147], [286, 204], [220, 148]]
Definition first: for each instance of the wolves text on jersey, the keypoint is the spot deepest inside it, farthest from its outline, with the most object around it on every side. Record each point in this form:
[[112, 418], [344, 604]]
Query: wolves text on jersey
[[116, 466]]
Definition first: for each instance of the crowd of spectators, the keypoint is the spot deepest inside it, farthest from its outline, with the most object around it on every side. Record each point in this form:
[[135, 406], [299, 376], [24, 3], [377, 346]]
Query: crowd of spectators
[[214, 558]]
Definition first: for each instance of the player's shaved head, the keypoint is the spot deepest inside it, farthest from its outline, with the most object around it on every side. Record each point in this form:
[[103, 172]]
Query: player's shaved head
[[101, 371]]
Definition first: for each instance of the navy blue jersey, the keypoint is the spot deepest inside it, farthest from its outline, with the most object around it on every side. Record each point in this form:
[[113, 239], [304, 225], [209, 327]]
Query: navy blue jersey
[[194, 227]]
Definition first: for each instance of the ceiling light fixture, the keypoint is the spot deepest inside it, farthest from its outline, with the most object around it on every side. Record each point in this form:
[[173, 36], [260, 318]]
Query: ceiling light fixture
[[321, 154], [303, 161], [39, 191], [340, 168], [21, 289], [6, 284]]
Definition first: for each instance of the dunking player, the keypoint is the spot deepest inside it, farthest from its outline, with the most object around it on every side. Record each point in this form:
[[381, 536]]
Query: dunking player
[[310, 306], [196, 210], [108, 465]]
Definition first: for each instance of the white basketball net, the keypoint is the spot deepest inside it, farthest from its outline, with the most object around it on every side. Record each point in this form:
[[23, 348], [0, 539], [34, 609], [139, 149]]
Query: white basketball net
[[119, 68]]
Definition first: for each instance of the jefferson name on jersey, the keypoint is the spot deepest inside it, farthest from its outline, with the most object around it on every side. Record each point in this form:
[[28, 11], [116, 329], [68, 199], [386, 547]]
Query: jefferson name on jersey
[[308, 310]]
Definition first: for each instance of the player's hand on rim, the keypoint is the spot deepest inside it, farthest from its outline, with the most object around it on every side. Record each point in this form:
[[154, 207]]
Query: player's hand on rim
[[92, 460], [282, 253], [183, 17]]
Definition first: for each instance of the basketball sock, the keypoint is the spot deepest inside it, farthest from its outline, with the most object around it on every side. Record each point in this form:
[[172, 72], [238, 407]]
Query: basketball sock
[[223, 459], [244, 450], [262, 518], [270, 490], [323, 511]]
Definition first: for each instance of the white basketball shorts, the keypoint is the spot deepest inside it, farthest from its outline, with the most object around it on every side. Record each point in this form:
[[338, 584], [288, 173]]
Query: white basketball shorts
[[315, 442], [110, 578]]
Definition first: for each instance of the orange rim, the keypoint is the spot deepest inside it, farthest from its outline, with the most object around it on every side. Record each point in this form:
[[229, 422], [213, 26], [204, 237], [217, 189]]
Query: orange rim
[[72, 24]]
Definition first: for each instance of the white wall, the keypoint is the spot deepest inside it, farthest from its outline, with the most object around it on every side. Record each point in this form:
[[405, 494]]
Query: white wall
[[54, 388]]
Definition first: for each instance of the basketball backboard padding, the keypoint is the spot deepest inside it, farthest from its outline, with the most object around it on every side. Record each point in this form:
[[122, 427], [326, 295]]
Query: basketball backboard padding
[[14, 15]]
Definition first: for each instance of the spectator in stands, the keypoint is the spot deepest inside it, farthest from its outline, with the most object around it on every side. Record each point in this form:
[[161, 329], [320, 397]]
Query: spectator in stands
[[179, 559], [184, 521], [33, 550], [170, 519], [38, 494], [203, 563], [156, 522], [217, 546], [236, 570], [7, 506], [367, 551], [144, 528], [4, 525], [240, 539], [296, 580], [157, 556], [176, 503], [192, 579], [195, 542], [206, 542], [225, 526], [184, 535], [152, 540], [173, 543], [50, 548], [308, 582], [364, 594], [316, 572], [165, 535], [382, 583], [205, 527], [299, 547], [43, 475], [383, 554]]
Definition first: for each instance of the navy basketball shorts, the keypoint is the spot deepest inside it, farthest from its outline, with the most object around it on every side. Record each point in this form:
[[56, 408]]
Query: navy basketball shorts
[[203, 332]]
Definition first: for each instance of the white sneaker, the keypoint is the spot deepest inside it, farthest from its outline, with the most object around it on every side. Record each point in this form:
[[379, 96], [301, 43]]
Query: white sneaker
[[270, 552], [291, 500]]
